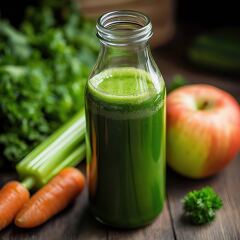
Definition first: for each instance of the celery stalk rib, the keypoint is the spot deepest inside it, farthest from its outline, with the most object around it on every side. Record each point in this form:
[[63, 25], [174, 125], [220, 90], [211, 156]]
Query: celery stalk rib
[[63, 148], [71, 161]]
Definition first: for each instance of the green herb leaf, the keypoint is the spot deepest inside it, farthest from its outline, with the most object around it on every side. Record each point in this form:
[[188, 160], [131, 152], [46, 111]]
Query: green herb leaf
[[200, 206]]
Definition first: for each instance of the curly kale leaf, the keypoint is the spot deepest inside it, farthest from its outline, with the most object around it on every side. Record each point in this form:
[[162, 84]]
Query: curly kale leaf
[[43, 70]]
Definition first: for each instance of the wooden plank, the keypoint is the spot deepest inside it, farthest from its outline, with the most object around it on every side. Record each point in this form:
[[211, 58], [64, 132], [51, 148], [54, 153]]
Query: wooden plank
[[160, 229], [227, 223], [172, 60], [75, 222], [169, 68], [161, 13]]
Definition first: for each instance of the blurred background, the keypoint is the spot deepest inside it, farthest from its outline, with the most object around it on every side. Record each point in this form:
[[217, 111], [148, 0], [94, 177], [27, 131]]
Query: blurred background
[[204, 13], [203, 32], [48, 48], [201, 23]]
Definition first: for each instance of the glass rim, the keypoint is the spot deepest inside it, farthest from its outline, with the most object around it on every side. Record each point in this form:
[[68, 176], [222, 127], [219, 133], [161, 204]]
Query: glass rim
[[141, 29]]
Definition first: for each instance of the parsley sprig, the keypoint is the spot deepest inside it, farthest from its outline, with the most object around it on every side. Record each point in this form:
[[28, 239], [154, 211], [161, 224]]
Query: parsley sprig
[[200, 205]]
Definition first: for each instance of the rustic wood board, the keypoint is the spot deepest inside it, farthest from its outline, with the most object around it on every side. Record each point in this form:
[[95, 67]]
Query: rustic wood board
[[76, 222], [227, 223]]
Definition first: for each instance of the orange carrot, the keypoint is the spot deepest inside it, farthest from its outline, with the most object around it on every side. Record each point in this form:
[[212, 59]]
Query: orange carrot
[[12, 198], [51, 199]]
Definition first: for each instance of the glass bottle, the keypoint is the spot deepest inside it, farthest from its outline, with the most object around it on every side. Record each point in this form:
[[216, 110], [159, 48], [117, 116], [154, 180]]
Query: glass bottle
[[125, 117]]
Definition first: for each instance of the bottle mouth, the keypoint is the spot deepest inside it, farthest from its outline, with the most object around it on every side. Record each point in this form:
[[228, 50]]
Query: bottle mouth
[[124, 27]]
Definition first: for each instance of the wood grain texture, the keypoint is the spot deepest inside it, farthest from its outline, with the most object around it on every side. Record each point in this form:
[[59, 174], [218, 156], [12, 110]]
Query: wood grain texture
[[226, 183], [227, 223], [161, 13], [75, 222], [172, 60], [161, 228], [169, 69]]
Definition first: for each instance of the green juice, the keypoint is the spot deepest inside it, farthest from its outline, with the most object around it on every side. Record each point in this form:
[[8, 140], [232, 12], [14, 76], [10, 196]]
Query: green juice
[[125, 115]]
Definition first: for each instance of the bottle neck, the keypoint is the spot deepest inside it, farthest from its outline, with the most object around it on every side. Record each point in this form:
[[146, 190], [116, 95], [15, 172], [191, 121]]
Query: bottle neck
[[124, 28], [124, 37], [136, 55]]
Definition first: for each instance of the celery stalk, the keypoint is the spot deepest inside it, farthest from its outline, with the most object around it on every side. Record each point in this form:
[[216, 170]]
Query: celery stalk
[[63, 148], [71, 161]]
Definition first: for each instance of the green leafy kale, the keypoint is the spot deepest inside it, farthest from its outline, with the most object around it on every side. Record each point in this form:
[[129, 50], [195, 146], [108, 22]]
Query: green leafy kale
[[43, 70], [200, 206]]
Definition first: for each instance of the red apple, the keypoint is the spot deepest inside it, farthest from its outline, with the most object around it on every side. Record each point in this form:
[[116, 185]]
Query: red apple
[[203, 130]]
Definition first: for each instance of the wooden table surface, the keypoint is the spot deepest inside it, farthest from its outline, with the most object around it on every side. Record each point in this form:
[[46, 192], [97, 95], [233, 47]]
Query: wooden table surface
[[76, 222]]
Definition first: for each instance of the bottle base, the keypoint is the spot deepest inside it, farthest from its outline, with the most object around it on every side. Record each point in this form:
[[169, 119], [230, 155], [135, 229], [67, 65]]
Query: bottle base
[[125, 225]]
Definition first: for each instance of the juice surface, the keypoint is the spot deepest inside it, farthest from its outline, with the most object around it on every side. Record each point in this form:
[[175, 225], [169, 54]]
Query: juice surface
[[125, 147]]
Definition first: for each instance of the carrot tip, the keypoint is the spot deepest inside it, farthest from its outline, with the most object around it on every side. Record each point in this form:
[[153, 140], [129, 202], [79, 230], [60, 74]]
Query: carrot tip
[[12, 198]]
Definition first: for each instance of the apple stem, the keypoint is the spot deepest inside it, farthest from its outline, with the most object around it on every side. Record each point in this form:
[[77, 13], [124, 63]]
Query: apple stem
[[203, 105]]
